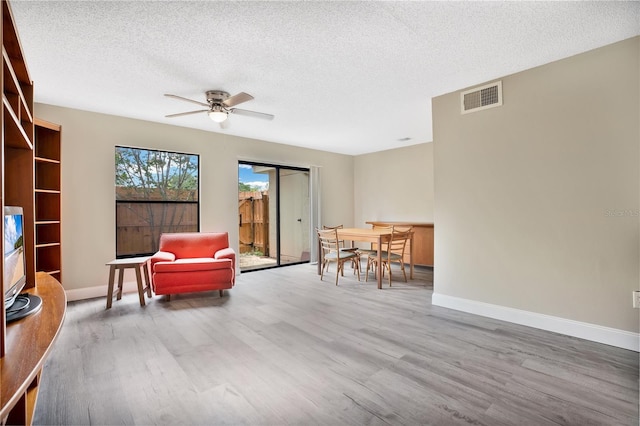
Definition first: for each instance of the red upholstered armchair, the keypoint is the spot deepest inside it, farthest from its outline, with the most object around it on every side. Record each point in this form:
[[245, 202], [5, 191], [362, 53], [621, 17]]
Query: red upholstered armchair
[[193, 261]]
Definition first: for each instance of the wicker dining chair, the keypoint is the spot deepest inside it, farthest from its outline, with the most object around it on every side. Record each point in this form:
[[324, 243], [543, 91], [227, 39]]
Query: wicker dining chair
[[392, 252], [355, 263], [331, 252]]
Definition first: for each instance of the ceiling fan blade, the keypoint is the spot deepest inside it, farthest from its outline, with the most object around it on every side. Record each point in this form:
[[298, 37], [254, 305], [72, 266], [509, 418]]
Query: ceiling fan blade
[[186, 113], [237, 99], [186, 99], [252, 114]]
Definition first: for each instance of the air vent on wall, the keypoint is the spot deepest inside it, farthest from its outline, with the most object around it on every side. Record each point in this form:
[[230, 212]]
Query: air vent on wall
[[483, 97]]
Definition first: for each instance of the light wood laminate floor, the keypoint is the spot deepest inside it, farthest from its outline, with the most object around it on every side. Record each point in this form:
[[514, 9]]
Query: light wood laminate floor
[[284, 348]]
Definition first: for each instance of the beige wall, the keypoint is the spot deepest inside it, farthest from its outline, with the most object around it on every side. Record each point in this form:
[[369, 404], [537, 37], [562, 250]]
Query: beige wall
[[537, 201], [394, 185], [88, 173]]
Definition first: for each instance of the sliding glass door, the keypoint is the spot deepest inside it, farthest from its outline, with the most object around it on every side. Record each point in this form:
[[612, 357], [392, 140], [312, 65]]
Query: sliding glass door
[[294, 215], [273, 211]]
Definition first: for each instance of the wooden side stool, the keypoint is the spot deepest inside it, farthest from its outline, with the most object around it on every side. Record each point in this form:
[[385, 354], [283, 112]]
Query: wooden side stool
[[140, 265]]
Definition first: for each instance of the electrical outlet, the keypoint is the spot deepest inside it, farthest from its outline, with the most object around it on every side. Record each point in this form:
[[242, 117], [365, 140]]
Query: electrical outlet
[[636, 299]]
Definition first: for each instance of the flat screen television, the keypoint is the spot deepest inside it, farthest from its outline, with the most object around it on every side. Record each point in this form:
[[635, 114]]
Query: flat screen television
[[15, 277]]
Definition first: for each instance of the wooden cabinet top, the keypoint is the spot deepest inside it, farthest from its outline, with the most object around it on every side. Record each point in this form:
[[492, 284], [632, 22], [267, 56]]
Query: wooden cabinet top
[[29, 341], [388, 223]]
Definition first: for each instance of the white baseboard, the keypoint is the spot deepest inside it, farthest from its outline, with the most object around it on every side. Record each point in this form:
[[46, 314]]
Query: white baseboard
[[99, 291], [596, 333]]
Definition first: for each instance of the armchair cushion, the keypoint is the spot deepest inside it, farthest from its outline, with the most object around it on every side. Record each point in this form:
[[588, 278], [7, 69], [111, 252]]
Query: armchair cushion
[[195, 264], [193, 261]]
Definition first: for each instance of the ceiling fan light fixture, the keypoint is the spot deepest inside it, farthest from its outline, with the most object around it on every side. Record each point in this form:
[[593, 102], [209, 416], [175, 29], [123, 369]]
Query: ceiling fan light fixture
[[218, 114]]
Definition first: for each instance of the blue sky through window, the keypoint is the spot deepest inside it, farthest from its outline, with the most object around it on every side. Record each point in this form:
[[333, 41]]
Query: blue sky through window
[[246, 175]]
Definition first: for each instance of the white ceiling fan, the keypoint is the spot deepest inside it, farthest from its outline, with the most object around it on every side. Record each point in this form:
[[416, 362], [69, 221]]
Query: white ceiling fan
[[219, 105]]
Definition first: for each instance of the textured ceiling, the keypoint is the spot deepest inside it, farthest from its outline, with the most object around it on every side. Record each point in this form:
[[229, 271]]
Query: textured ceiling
[[346, 77]]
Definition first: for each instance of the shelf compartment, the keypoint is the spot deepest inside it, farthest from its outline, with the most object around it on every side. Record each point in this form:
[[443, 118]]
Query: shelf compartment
[[47, 233], [47, 137], [47, 175], [48, 258], [11, 43], [13, 90], [18, 179], [47, 205], [14, 131]]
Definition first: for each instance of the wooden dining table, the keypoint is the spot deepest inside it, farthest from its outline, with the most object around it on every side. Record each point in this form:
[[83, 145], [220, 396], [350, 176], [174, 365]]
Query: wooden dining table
[[377, 236]]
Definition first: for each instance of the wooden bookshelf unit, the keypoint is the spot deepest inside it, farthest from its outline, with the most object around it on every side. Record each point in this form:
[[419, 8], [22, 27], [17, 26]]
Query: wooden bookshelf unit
[[30, 181], [47, 198], [17, 178]]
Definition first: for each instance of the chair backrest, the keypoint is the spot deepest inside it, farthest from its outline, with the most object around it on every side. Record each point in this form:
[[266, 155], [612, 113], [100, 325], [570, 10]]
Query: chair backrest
[[329, 240], [193, 244], [325, 227], [403, 228], [398, 242], [332, 227]]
